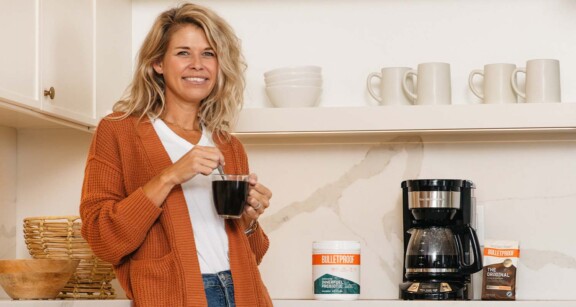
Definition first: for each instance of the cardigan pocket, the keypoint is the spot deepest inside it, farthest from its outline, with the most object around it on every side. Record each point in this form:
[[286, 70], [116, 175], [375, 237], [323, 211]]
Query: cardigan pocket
[[155, 282], [155, 246]]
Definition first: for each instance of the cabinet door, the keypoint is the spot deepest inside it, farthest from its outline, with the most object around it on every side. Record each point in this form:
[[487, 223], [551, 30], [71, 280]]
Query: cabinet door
[[67, 59], [19, 69]]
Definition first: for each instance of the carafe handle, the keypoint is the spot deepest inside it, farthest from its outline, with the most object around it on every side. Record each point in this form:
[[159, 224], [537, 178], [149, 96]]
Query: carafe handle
[[477, 264]]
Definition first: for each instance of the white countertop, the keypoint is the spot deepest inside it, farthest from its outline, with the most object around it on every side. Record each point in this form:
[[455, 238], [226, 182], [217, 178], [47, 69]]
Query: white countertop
[[394, 303], [302, 303], [65, 303]]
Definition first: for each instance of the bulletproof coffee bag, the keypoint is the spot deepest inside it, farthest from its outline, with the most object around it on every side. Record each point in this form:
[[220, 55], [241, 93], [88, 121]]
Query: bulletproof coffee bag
[[499, 273]]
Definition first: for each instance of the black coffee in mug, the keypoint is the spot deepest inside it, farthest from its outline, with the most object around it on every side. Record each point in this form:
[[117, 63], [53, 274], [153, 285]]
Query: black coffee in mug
[[230, 193]]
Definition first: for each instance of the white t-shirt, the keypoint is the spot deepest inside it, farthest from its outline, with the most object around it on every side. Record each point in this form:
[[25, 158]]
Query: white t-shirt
[[209, 232]]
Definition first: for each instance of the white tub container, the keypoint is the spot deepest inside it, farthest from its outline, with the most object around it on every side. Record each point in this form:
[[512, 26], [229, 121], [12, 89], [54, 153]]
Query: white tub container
[[336, 270]]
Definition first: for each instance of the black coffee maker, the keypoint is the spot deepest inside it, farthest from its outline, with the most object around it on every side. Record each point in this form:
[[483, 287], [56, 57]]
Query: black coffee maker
[[441, 249]]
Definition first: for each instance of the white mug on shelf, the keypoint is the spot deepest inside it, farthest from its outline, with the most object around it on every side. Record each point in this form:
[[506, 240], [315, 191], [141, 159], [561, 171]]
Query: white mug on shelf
[[496, 87], [542, 81], [390, 91], [433, 84]]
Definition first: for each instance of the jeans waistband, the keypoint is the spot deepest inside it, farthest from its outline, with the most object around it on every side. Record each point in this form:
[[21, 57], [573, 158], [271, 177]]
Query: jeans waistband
[[223, 278]]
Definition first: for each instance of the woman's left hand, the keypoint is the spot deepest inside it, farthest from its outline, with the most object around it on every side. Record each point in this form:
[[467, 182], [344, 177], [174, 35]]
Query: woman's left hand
[[258, 199]]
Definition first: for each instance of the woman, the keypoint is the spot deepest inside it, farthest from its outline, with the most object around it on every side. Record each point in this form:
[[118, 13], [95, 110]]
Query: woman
[[146, 200]]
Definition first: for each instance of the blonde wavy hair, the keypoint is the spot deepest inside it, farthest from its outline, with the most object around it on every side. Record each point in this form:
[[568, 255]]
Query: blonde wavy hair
[[145, 95]]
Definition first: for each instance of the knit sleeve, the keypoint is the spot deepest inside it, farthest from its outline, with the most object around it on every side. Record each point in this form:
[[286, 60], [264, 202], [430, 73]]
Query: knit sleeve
[[113, 223], [259, 244], [259, 241]]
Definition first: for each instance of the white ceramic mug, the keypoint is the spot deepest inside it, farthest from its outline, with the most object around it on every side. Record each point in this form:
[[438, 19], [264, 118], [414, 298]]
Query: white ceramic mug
[[433, 84], [496, 83], [542, 81], [390, 91]]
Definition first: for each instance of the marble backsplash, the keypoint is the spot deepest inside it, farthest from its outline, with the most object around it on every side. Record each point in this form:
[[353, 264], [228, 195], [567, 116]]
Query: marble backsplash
[[8, 141], [351, 191], [524, 189]]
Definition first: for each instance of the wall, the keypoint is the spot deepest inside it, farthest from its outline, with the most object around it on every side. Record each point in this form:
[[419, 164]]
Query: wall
[[350, 39], [351, 191], [50, 172], [8, 158]]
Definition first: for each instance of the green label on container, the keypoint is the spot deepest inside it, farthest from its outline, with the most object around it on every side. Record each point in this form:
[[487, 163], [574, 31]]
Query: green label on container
[[330, 284]]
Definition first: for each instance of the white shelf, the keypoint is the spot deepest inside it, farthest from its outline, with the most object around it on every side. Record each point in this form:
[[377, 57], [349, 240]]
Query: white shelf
[[257, 123], [354, 121]]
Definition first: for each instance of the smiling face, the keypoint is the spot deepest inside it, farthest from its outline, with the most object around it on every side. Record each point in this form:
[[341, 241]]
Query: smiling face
[[189, 67]]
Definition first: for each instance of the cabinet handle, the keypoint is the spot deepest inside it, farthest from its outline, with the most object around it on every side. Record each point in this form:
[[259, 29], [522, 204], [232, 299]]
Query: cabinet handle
[[51, 92]]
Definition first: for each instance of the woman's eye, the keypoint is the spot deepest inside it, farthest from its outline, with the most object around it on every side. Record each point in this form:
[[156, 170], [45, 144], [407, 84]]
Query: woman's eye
[[209, 53], [183, 53]]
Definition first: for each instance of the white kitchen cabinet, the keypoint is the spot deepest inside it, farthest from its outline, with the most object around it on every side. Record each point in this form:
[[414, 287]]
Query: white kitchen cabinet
[[78, 48], [67, 58], [85, 56], [19, 48]]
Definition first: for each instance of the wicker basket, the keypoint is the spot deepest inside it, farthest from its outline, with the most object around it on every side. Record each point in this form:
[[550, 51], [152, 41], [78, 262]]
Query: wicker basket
[[59, 237]]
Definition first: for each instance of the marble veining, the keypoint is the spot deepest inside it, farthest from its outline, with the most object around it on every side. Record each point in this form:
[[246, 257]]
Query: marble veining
[[537, 259], [375, 161], [355, 194], [335, 196]]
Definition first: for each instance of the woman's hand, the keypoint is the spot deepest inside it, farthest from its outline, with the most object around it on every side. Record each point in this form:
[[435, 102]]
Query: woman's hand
[[258, 200], [199, 160]]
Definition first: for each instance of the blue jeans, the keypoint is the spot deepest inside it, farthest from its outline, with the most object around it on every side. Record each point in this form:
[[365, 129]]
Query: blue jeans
[[219, 289]]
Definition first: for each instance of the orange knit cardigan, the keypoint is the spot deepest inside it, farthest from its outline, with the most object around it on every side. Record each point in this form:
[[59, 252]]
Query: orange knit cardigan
[[152, 249]]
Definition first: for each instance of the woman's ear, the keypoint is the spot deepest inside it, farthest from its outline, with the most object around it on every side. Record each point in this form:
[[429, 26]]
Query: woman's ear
[[158, 67]]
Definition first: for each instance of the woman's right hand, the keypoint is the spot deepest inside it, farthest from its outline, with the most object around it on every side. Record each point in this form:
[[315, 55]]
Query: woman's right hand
[[199, 160]]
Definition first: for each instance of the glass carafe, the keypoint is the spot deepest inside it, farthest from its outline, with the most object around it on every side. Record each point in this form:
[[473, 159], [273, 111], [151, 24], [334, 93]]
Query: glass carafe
[[438, 251]]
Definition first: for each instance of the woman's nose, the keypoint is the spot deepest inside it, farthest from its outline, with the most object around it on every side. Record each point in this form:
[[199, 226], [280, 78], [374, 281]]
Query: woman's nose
[[195, 62]]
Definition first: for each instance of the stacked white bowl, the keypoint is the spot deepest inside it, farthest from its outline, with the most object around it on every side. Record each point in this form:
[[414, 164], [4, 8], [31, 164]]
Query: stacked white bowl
[[294, 86]]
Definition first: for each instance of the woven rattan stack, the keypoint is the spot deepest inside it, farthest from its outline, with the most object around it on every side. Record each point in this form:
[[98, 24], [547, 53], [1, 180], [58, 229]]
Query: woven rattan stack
[[58, 237]]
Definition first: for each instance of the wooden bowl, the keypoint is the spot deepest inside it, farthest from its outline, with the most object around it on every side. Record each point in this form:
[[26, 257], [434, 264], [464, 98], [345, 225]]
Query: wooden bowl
[[35, 278]]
